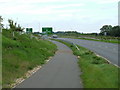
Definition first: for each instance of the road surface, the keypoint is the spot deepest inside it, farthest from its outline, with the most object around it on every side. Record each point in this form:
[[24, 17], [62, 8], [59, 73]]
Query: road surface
[[60, 72], [107, 50]]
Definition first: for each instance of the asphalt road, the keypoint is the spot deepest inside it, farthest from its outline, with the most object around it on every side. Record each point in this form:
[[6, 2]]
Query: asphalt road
[[60, 72], [107, 50]]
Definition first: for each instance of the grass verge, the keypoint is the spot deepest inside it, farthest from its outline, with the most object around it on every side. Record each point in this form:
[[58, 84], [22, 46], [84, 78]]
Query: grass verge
[[97, 72], [108, 41], [21, 54], [100, 40]]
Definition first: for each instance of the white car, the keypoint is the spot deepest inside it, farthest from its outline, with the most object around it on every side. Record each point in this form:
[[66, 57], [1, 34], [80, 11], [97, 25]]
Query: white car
[[54, 36]]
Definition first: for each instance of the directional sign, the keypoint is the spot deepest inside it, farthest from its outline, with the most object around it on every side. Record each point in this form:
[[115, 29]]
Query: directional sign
[[29, 30], [47, 30]]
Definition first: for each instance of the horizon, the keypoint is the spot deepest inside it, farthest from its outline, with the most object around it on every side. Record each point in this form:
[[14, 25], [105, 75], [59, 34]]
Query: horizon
[[79, 15]]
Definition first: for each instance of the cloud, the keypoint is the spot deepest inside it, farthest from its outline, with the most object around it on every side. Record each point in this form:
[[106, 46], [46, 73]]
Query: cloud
[[104, 1], [35, 8], [72, 12], [24, 1]]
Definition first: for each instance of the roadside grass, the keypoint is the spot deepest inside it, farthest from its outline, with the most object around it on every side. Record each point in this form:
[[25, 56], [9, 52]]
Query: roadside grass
[[96, 71], [22, 53], [101, 39]]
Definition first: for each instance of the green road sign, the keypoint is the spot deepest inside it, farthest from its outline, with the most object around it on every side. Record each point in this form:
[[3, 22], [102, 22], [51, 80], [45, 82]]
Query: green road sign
[[29, 30], [47, 30]]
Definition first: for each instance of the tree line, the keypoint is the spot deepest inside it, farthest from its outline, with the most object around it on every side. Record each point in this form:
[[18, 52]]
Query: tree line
[[110, 30], [107, 30]]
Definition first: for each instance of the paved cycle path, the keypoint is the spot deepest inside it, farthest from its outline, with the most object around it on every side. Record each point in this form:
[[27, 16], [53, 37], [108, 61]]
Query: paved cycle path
[[62, 71]]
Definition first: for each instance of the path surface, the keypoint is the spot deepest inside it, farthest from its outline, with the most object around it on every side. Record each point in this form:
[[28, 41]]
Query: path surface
[[107, 50], [60, 72]]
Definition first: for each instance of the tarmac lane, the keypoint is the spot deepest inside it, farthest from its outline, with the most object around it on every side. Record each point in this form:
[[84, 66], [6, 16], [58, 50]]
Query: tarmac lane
[[62, 71]]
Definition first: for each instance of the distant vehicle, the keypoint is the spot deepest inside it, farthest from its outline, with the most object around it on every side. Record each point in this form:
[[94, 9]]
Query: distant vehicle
[[54, 36], [44, 37]]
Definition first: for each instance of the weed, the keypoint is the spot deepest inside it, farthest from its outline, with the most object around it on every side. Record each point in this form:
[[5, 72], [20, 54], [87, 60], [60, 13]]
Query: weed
[[22, 54], [96, 72]]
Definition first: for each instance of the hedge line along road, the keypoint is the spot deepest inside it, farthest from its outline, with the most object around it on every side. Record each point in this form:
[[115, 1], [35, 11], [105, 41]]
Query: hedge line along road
[[107, 50], [62, 71]]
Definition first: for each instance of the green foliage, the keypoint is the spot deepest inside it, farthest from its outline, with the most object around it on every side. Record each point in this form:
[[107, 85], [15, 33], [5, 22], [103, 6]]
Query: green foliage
[[22, 53], [111, 31], [106, 28], [13, 26], [96, 71], [1, 20], [108, 39], [115, 31]]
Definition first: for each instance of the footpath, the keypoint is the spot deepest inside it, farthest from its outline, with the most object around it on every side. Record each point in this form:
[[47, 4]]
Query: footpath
[[62, 71]]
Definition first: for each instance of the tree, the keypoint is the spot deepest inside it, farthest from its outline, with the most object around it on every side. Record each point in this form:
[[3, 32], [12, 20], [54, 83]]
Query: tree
[[111, 31], [106, 28], [19, 29], [1, 25], [115, 31], [13, 26]]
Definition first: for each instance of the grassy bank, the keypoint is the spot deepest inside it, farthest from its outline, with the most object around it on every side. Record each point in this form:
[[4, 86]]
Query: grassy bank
[[22, 53], [97, 72]]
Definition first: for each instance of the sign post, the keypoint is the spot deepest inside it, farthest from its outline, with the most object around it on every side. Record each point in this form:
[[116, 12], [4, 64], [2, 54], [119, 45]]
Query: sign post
[[29, 30]]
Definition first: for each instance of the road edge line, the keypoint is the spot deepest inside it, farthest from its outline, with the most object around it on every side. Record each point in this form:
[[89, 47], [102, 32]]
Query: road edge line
[[107, 60]]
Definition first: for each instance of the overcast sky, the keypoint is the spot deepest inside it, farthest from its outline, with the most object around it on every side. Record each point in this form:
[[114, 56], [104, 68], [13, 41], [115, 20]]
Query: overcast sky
[[63, 15]]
